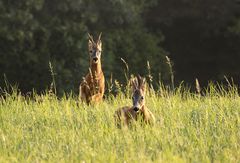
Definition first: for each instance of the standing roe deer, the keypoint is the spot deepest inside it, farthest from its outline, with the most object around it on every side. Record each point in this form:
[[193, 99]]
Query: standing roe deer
[[93, 85], [138, 111]]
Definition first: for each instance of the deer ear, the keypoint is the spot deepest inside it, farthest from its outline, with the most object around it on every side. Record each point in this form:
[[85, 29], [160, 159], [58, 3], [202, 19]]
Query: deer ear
[[143, 84], [90, 44], [99, 42], [99, 45], [99, 37]]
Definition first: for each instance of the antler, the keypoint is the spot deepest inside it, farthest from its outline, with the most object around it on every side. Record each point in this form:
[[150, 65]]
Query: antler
[[91, 38], [139, 79], [134, 83], [141, 82]]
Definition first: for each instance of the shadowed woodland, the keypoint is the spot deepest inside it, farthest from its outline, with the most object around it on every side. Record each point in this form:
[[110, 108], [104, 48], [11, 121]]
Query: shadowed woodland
[[202, 39]]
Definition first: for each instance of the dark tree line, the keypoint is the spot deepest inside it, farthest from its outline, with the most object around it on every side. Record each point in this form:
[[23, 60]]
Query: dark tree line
[[201, 37]]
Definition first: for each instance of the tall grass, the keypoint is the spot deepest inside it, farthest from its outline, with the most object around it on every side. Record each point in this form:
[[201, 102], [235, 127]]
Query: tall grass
[[189, 128]]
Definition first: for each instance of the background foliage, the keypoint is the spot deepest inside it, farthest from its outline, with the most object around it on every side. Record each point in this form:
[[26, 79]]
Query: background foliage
[[202, 39]]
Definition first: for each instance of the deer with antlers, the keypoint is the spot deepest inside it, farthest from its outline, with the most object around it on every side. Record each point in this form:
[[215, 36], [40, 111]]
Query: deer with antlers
[[138, 111], [93, 85]]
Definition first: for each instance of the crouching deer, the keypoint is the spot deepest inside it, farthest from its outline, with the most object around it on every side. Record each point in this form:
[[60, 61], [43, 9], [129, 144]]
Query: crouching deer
[[93, 85], [138, 111]]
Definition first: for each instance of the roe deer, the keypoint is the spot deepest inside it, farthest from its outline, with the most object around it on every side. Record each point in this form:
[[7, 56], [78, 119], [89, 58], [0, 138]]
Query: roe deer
[[138, 111], [93, 85]]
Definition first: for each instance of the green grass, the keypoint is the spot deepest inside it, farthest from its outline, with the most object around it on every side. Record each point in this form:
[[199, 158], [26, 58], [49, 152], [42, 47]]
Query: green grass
[[189, 128]]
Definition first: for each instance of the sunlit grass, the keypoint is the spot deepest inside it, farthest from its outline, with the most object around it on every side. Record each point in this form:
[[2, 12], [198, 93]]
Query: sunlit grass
[[189, 128]]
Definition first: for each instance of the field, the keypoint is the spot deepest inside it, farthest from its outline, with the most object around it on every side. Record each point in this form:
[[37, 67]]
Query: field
[[189, 128]]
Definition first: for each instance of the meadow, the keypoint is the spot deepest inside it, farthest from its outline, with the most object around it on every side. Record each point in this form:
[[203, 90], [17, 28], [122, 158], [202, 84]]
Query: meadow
[[189, 128]]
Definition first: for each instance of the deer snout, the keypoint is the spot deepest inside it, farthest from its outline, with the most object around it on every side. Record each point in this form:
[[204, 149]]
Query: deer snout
[[95, 59], [136, 109]]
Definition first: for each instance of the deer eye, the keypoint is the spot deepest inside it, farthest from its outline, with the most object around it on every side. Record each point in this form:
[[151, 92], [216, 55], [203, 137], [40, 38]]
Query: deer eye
[[142, 98], [90, 51]]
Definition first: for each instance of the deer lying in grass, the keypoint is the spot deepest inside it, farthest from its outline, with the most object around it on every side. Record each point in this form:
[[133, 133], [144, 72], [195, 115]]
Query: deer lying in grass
[[93, 85], [138, 111]]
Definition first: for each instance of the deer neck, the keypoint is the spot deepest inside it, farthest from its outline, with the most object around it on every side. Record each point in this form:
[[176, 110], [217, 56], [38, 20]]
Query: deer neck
[[144, 111], [96, 69]]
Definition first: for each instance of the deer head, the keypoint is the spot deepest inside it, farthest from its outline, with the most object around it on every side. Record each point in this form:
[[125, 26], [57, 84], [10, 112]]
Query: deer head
[[139, 89], [95, 49]]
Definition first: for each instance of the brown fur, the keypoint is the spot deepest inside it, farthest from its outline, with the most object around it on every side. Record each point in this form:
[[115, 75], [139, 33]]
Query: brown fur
[[126, 115], [93, 85]]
